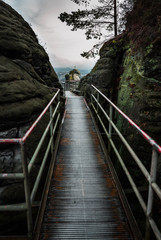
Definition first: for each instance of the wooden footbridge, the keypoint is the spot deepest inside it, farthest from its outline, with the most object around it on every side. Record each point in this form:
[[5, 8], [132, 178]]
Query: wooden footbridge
[[82, 197]]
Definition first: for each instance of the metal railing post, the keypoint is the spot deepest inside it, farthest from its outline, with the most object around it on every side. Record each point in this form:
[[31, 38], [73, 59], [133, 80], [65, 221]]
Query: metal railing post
[[91, 92], [110, 127], [97, 107], [58, 102], [154, 188], [27, 191], [97, 101], [153, 174], [59, 111]]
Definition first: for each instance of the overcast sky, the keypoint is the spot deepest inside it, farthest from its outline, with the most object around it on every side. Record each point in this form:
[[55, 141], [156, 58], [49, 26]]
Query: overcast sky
[[62, 45]]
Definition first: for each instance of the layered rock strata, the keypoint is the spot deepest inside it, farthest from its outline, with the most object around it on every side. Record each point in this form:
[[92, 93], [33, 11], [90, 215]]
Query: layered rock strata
[[27, 83]]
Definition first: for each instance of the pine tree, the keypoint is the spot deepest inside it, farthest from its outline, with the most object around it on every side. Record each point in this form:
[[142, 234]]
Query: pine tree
[[95, 21]]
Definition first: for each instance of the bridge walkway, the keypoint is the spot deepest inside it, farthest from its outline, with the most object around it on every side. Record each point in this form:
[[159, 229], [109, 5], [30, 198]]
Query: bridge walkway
[[83, 202]]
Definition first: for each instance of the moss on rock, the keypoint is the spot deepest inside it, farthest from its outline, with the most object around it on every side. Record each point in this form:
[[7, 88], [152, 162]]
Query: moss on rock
[[27, 83]]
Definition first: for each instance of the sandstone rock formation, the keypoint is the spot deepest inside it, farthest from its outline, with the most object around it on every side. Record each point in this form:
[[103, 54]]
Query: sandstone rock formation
[[26, 74], [27, 83], [129, 70], [129, 73]]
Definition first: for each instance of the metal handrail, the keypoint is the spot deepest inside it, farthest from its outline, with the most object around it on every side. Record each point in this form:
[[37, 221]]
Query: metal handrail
[[27, 134], [144, 134], [29, 196], [150, 176]]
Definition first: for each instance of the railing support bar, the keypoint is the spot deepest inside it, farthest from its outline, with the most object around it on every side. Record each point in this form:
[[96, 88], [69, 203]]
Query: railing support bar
[[91, 95], [97, 101], [43, 162], [150, 177], [32, 161], [27, 191], [137, 160], [146, 136], [153, 174], [39, 118], [11, 176], [51, 127], [110, 128], [155, 229], [133, 185]]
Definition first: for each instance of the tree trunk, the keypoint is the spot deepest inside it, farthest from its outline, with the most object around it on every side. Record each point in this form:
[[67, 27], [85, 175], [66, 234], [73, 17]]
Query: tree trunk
[[115, 18]]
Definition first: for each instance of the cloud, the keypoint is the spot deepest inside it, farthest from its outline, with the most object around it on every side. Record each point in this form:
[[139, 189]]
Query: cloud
[[63, 46], [58, 61]]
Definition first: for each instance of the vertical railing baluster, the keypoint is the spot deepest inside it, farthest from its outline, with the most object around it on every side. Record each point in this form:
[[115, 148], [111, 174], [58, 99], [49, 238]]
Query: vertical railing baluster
[[111, 118], [59, 109], [97, 101], [59, 99], [97, 107], [153, 175], [27, 191], [91, 91]]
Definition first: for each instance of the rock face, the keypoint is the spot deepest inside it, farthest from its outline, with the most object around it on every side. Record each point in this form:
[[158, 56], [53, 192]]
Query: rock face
[[26, 75], [129, 73], [27, 83]]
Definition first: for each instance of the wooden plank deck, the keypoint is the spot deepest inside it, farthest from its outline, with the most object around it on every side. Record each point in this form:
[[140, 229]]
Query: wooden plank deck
[[83, 202]]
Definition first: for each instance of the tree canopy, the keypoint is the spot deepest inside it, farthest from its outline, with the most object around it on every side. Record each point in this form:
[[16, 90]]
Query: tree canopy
[[98, 22]]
